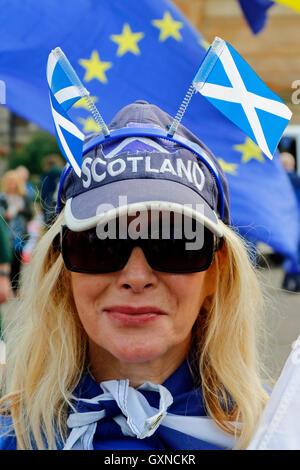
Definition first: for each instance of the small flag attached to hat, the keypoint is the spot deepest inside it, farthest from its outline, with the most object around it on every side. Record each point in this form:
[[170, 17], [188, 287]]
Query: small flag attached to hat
[[230, 84], [65, 89], [63, 94]]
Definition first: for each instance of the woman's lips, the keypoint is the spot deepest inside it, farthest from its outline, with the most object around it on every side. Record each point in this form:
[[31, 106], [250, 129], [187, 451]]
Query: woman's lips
[[127, 315]]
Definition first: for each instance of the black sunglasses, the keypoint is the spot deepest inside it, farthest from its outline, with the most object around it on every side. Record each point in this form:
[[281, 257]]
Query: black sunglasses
[[85, 252]]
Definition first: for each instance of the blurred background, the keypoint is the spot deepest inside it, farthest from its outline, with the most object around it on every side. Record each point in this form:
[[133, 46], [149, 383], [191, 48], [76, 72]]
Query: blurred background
[[266, 34]]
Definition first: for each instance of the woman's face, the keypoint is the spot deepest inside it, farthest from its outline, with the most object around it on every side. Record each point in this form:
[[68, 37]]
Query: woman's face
[[138, 314], [11, 186]]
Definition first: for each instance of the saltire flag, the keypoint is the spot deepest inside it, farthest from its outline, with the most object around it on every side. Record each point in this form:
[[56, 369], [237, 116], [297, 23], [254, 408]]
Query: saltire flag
[[63, 94], [255, 12], [127, 51], [232, 86]]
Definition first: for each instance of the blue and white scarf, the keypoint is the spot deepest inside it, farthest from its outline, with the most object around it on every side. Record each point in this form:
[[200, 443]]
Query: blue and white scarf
[[113, 415]]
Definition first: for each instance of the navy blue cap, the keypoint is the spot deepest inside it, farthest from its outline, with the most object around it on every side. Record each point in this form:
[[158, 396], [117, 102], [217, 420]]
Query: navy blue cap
[[139, 171]]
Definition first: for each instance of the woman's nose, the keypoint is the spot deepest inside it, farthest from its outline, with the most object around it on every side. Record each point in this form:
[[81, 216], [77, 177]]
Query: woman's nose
[[137, 274]]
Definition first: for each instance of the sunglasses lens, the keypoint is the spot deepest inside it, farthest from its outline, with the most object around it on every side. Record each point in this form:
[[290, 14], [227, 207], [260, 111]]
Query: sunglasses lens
[[180, 256], [84, 252]]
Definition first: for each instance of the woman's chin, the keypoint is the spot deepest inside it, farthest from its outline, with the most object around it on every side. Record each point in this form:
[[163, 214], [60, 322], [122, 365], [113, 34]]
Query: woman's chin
[[137, 353]]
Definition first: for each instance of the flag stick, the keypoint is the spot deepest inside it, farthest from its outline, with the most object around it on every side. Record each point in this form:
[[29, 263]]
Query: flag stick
[[181, 111], [200, 78]]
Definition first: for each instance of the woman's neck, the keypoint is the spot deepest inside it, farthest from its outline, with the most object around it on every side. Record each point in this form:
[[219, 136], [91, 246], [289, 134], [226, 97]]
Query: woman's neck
[[103, 366]]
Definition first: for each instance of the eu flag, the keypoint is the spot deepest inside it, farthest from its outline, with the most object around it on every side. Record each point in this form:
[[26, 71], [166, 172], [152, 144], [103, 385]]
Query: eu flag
[[125, 51]]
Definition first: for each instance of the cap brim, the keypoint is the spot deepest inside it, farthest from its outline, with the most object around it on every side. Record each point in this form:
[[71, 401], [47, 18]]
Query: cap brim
[[99, 205]]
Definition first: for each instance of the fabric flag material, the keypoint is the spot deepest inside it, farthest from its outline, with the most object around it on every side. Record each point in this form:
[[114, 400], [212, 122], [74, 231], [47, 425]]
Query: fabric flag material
[[290, 3], [231, 85], [255, 12], [127, 51], [279, 428], [63, 94]]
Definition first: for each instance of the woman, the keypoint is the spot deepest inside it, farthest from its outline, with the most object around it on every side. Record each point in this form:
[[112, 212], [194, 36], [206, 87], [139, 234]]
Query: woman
[[17, 215], [140, 307]]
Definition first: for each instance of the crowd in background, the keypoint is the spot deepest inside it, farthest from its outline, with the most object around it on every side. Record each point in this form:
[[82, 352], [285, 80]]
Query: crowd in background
[[287, 147], [26, 210]]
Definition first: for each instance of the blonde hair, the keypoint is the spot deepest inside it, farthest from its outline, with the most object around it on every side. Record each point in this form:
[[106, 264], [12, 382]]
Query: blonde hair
[[13, 175], [47, 347]]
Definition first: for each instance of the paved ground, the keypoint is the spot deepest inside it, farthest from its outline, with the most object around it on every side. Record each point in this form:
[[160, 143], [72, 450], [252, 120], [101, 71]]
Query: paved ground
[[282, 322]]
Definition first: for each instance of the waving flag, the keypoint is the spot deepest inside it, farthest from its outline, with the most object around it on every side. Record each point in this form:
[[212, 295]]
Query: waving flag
[[126, 51], [290, 3], [63, 94], [255, 12], [231, 85]]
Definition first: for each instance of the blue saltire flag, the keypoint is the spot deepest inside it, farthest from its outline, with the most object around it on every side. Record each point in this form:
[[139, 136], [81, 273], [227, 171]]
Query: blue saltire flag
[[63, 94], [231, 85], [125, 51], [255, 12]]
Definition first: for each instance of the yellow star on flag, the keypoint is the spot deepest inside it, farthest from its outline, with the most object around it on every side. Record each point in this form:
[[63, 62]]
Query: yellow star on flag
[[168, 27], [95, 68], [83, 104], [89, 125], [230, 168], [249, 150], [127, 41]]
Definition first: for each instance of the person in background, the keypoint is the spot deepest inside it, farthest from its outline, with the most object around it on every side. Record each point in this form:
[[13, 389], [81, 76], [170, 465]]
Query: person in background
[[53, 166], [17, 215], [23, 173], [35, 230], [5, 260], [291, 281]]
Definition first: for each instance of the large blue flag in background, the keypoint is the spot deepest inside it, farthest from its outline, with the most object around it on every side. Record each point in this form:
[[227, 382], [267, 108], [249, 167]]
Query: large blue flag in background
[[124, 51]]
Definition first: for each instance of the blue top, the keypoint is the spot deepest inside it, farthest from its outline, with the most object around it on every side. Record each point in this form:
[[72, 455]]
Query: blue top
[[107, 434]]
